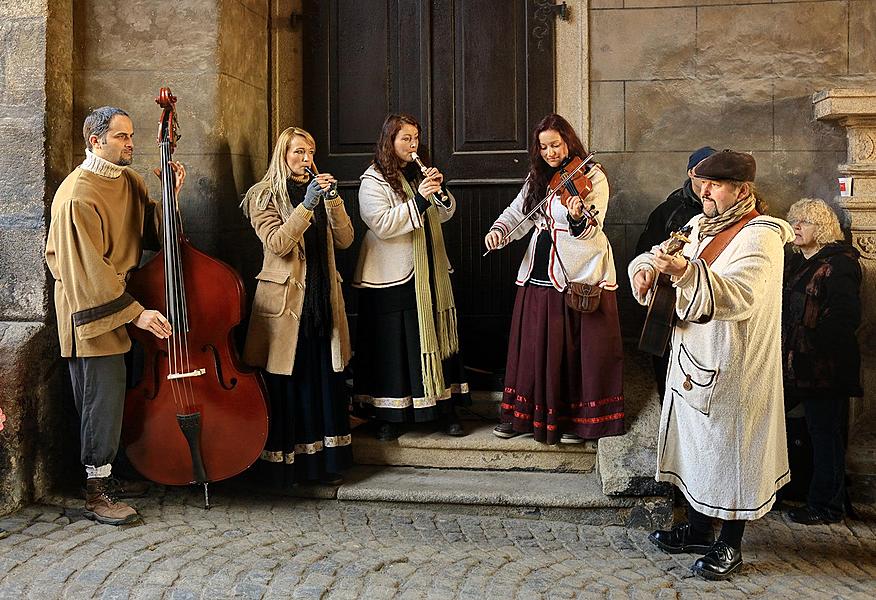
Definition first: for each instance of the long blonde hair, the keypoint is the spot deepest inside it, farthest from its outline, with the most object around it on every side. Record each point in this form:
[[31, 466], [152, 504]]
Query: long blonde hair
[[273, 184]]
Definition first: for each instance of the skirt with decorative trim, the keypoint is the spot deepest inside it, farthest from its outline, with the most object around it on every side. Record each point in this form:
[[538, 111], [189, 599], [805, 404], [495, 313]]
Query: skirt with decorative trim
[[309, 429], [387, 376], [565, 368]]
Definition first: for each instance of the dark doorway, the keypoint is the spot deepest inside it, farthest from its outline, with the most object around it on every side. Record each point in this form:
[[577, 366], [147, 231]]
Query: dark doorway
[[478, 74]]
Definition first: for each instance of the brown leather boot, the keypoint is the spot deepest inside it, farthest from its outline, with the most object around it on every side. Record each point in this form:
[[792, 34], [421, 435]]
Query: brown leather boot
[[102, 506]]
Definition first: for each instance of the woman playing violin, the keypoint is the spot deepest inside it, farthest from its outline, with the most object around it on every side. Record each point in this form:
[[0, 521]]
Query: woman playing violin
[[298, 331], [563, 379]]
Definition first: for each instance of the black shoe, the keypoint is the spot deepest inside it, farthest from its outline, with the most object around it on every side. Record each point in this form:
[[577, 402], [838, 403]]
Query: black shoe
[[720, 562], [505, 430], [679, 539], [454, 429], [806, 515], [387, 432]]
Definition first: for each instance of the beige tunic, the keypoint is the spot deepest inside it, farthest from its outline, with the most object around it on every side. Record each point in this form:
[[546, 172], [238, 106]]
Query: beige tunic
[[272, 337], [94, 241]]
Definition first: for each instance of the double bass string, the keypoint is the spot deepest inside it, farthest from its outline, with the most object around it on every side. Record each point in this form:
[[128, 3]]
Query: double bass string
[[183, 391]]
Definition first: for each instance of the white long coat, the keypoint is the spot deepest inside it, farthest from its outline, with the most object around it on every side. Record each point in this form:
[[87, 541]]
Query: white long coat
[[723, 442]]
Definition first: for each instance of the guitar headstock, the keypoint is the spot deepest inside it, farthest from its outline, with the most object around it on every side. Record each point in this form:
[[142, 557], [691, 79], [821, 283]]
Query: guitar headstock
[[677, 240]]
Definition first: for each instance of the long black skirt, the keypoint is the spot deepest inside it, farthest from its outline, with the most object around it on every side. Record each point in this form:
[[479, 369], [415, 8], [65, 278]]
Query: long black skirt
[[309, 431], [388, 377]]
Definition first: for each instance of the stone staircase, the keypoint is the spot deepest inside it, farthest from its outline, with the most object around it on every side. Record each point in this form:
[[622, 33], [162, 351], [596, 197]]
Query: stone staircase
[[605, 482], [478, 449]]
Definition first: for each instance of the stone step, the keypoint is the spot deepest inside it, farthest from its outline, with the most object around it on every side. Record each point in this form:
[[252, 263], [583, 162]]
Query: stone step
[[479, 449], [576, 496]]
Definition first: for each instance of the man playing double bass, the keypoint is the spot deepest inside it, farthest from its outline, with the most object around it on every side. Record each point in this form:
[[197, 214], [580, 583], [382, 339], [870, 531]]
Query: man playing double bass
[[101, 218]]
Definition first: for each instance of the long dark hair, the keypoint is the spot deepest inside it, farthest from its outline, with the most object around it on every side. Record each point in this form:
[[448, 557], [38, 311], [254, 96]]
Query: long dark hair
[[387, 161], [540, 172]]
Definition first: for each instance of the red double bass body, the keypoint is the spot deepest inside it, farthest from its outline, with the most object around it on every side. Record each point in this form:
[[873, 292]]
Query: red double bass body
[[196, 401]]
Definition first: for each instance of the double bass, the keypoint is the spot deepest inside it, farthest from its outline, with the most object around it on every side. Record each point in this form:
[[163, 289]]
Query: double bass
[[197, 415]]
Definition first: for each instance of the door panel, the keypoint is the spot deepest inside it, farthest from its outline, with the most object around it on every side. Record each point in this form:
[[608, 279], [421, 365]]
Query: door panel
[[478, 75]]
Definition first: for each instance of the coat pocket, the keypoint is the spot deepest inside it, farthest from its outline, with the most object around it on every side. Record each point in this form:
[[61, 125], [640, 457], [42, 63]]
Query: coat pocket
[[692, 381], [271, 293]]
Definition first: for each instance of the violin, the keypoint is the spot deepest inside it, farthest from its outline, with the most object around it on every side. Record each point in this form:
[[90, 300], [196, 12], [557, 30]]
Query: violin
[[571, 180], [566, 174]]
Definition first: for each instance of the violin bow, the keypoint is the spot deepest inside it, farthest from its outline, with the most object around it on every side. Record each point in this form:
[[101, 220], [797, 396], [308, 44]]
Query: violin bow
[[537, 208]]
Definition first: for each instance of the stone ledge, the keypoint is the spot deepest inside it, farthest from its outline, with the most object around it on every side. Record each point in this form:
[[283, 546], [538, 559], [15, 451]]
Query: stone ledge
[[480, 449], [534, 495]]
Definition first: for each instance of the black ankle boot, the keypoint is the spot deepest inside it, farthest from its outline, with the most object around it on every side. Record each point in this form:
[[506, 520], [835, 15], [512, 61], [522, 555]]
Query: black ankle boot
[[720, 562], [680, 538]]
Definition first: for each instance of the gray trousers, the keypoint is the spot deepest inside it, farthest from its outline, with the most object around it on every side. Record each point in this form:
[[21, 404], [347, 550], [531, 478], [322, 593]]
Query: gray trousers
[[99, 393]]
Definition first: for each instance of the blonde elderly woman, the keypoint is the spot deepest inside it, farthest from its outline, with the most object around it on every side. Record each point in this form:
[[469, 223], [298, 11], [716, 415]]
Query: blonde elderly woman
[[298, 330], [821, 310]]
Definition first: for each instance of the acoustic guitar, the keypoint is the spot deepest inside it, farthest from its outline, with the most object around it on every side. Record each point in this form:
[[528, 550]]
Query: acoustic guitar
[[661, 309]]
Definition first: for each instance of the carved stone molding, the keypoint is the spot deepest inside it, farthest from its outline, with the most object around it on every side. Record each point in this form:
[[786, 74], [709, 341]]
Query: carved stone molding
[[867, 245]]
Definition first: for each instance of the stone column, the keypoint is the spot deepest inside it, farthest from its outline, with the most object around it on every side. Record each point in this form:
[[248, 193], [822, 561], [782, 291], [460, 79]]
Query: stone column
[[855, 110], [38, 443]]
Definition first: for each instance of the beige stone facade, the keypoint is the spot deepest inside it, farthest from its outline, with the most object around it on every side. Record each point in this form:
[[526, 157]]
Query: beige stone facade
[[644, 81]]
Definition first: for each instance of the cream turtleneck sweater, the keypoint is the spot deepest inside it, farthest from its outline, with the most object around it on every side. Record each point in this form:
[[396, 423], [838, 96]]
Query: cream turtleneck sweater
[[95, 238]]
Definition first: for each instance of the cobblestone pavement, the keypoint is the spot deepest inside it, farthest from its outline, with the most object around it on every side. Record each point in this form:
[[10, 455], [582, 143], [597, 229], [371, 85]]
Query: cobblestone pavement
[[257, 546]]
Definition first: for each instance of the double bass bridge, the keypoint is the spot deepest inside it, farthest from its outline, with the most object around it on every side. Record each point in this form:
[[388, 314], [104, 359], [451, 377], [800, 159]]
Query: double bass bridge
[[195, 373]]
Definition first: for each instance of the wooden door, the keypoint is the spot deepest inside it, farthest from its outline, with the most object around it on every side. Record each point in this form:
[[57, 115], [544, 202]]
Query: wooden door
[[478, 75]]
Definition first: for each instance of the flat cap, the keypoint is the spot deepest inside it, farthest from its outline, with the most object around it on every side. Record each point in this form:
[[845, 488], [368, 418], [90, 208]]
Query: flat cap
[[727, 165]]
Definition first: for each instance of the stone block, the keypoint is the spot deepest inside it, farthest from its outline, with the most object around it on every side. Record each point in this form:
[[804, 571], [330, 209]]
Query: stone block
[[599, 4], [23, 289], [785, 177], [789, 38], [22, 62], [607, 116], [639, 181], [684, 115], [21, 169], [662, 3], [642, 44], [243, 44], [16, 9], [257, 7], [795, 125], [244, 112], [135, 92], [177, 36], [862, 36]]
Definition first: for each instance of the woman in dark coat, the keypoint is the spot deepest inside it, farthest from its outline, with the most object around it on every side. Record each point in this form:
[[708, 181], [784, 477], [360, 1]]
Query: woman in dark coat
[[821, 361]]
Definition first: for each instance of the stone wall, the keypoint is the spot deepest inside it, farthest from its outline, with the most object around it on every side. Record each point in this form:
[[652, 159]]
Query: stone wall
[[35, 49], [668, 76], [212, 54]]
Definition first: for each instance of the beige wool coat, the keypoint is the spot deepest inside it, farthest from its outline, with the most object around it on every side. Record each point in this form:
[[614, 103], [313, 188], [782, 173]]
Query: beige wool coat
[[272, 337]]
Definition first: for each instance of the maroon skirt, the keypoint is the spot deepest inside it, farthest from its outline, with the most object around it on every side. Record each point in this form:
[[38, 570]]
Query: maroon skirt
[[565, 368]]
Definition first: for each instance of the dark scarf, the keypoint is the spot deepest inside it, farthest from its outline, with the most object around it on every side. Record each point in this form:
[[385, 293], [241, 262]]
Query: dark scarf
[[316, 317]]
